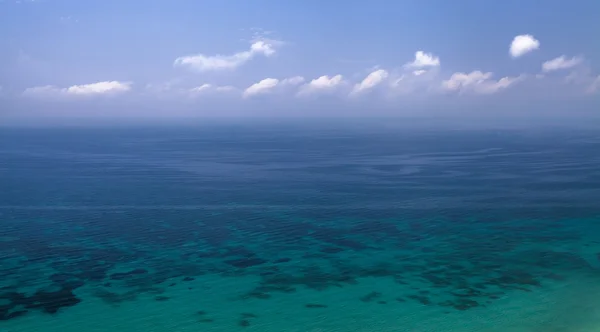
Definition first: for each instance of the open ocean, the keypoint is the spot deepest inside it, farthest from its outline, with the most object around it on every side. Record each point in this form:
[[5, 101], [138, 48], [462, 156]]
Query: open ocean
[[349, 227]]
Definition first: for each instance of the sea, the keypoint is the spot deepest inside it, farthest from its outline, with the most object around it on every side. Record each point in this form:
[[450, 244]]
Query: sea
[[300, 226]]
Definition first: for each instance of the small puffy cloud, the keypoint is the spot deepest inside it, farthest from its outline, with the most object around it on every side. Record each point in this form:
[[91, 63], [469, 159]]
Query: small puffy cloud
[[207, 88], [40, 91], [202, 63], [262, 87], [321, 84], [423, 60], [99, 88], [457, 80], [420, 81], [523, 44], [202, 88], [269, 85], [372, 80], [477, 82], [560, 63]]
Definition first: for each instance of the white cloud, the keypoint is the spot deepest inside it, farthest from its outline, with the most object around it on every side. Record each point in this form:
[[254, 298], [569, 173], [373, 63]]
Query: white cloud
[[372, 80], [39, 91], [523, 44], [99, 88], [264, 86], [414, 82], [560, 63], [477, 82], [208, 88], [321, 84], [423, 59], [201, 62], [269, 85], [201, 88]]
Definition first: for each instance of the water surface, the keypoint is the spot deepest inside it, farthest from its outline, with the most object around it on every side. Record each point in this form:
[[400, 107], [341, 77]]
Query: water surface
[[299, 228]]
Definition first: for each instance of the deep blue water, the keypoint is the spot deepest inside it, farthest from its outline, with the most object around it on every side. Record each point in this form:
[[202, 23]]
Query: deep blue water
[[458, 220]]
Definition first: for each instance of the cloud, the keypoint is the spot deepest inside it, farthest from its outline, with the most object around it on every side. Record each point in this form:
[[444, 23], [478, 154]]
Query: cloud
[[423, 59], [477, 82], [560, 63], [98, 88], [269, 85], [264, 86], [523, 44], [321, 84], [372, 80], [203, 63], [208, 88], [201, 88]]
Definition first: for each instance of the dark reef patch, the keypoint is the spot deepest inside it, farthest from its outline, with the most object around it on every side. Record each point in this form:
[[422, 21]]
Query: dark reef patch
[[442, 268], [48, 301], [243, 263], [282, 260], [114, 298], [125, 275], [371, 296], [420, 298]]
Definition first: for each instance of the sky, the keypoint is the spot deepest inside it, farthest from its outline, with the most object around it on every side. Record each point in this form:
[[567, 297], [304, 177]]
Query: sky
[[62, 59]]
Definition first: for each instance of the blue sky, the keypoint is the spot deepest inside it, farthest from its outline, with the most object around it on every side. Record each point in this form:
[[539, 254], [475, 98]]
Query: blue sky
[[72, 58]]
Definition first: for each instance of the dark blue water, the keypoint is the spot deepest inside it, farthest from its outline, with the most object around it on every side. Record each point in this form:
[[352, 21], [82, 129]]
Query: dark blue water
[[299, 227]]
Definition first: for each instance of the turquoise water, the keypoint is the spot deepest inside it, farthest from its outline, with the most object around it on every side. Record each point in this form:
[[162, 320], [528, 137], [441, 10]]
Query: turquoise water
[[299, 228]]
